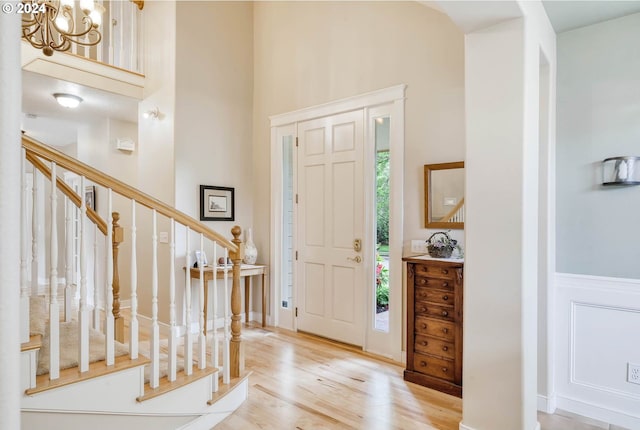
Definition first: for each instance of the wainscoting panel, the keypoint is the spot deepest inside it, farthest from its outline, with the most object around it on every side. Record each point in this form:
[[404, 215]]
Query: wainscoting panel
[[598, 322]]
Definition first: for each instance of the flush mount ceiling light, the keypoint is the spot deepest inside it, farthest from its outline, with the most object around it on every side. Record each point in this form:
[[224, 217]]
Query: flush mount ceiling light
[[67, 100], [53, 25]]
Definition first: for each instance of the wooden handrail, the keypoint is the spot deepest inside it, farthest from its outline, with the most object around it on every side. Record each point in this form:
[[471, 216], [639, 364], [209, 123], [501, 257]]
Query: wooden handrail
[[41, 150], [67, 191], [452, 212]]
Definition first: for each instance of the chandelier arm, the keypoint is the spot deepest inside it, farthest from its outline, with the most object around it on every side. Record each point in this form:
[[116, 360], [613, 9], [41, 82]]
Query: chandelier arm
[[91, 43]]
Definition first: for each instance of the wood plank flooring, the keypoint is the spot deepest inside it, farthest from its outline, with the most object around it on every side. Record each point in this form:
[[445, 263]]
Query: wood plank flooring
[[304, 382]]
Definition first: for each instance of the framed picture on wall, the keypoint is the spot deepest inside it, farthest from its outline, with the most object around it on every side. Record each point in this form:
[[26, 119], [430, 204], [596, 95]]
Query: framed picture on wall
[[216, 203], [90, 196]]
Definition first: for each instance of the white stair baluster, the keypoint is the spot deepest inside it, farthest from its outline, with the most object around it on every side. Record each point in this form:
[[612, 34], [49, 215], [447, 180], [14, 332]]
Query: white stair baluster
[[133, 338], [133, 38], [68, 261], [121, 57], [173, 334], [154, 380], [188, 336], [84, 321], [99, 46], [111, 24], [202, 340], [96, 290], [35, 233], [215, 350], [226, 359], [24, 254], [54, 310], [109, 322]]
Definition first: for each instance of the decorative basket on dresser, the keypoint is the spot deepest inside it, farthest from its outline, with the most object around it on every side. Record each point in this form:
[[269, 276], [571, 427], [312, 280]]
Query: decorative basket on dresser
[[434, 323]]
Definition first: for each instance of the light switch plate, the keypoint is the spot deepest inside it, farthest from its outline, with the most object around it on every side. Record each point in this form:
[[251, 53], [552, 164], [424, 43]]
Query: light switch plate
[[163, 237], [418, 246]]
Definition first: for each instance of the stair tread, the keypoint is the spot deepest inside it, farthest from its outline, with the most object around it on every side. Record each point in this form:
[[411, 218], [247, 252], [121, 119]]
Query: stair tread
[[224, 389], [181, 380], [35, 342], [73, 375]]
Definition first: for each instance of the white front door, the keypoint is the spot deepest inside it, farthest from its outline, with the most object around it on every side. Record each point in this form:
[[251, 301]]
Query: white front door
[[331, 219]]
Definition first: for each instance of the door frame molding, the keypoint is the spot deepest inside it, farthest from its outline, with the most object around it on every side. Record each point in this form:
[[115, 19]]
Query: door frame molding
[[394, 96]]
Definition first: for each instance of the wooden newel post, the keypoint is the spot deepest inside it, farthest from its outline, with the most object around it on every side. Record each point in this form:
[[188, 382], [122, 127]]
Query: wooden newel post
[[237, 350], [117, 238]]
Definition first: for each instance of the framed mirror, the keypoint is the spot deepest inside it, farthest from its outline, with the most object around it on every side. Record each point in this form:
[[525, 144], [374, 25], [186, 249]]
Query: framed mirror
[[444, 195]]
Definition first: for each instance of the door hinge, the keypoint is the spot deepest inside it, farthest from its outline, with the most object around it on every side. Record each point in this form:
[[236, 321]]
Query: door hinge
[[296, 199], [296, 311], [296, 142], [296, 255]]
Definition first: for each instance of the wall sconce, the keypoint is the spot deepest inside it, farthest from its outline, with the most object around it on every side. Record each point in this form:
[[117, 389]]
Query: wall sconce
[[153, 113], [621, 171]]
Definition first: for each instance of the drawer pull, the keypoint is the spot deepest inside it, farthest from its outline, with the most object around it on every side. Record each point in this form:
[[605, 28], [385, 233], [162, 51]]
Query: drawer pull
[[424, 326], [445, 271], [445, 313], [444, 330], [444, 370], [445, 298], [445, 284], [424, 343], [445, 348], [423, 281], [423, 309], [423, 363]]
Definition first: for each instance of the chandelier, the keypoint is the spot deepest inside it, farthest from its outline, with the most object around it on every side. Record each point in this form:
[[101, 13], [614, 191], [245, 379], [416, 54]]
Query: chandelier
[[53, 25]]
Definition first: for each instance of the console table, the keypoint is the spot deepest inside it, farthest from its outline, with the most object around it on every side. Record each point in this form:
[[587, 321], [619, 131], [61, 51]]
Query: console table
[[246, 272]]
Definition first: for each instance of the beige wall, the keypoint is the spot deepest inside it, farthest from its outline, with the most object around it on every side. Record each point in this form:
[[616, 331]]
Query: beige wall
[[213, 118], [156, 145], [214, 92], [308, 53]]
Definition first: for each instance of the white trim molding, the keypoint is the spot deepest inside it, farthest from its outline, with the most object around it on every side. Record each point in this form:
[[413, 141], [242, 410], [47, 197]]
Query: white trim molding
[[371, 99], [547, 404], [596, 316]]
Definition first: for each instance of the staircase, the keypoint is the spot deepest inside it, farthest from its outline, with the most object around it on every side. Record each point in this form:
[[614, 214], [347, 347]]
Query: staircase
[[87, 362]]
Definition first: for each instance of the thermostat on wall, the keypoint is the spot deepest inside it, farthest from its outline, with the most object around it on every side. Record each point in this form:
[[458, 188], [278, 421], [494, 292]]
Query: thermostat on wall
[[126, 144]]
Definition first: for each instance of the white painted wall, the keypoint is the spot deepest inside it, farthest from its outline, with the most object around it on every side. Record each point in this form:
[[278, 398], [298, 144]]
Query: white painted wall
[[308, 53], [502, 114], [10, 84], [598, 111]]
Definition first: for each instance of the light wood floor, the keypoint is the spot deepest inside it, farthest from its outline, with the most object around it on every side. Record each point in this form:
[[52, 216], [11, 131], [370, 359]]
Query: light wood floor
[[304, 382]]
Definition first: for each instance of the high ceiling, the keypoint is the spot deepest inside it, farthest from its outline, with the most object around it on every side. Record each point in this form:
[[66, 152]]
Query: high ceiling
[[45, 120]]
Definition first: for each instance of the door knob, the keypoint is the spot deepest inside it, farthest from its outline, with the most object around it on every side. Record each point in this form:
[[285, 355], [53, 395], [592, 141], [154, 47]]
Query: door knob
[[357, 259]]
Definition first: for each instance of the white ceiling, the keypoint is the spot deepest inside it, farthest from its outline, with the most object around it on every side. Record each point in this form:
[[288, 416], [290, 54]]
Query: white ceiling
[[568, 15], [45, 120]]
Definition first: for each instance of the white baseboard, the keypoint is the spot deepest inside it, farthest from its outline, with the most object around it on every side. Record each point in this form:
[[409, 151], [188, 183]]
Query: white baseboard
[[466, 427], [547, 404], [599, 413]]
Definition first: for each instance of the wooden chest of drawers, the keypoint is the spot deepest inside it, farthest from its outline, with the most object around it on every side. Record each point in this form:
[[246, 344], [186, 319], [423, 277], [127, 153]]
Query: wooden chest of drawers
[[434, 324]]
